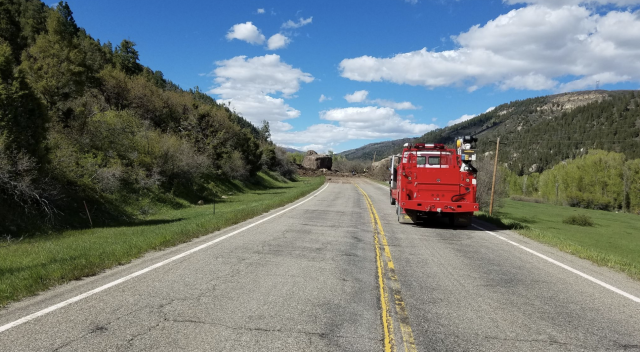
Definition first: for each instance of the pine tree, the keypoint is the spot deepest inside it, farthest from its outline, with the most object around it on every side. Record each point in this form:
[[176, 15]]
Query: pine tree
[[23, 117], [55, 64], [126, 58]]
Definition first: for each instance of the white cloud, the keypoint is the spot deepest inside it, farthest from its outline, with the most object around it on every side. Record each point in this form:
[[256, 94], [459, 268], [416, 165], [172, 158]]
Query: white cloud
[[560, 3], [357, 96], [277, 41], [529, 82], [368, 122], [465, 117], [323, 98], [247, 84], [300, 23], [316, 147], [246, 32], [462, 118], [404, 105], [260, 11], [360, 96], [258, 75], [535, 47]]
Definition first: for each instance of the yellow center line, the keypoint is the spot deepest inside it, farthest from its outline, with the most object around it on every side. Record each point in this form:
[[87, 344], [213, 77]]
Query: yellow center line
[[401, 309]]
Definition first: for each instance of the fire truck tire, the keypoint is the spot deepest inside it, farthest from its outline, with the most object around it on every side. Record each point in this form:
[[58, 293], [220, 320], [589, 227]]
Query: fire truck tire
[[393, 201], [413, 216], [462, 220]]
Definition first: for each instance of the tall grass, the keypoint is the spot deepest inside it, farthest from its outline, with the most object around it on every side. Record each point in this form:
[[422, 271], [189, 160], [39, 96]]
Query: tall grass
[[613, 239], [37, 263]]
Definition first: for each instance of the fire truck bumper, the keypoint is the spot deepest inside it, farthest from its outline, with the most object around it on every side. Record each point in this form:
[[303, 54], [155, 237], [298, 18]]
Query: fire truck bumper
[[440, 207]]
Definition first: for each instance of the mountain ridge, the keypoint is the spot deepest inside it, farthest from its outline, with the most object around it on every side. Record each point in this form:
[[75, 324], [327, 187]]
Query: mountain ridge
[[542, 131]]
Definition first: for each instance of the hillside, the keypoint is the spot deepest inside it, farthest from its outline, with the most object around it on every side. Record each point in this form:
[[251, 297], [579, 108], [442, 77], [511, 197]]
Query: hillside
[[82, 122], [380, 149], [537, 133], [540, 132]]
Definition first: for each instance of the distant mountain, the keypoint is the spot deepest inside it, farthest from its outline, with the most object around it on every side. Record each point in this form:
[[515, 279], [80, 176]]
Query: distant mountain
[[537, 133], [380, 149], [291, 150]]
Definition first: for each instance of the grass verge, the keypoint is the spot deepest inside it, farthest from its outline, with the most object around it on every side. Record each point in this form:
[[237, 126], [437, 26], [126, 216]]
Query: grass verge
[[35, 264], [613, 241]]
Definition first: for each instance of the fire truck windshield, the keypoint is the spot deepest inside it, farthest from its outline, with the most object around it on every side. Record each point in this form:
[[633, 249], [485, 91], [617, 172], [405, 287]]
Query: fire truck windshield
[[434, 160], [428, 159]]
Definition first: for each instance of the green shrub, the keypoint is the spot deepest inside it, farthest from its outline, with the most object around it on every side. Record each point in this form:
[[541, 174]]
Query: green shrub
[[579, 220], [527, 199]]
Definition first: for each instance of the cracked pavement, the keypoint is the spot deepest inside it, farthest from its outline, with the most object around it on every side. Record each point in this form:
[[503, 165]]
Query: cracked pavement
[[306, 281]]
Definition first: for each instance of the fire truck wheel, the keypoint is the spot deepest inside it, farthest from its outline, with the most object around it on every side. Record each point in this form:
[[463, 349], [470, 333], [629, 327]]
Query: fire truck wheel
[[462, 220], [393, 201]]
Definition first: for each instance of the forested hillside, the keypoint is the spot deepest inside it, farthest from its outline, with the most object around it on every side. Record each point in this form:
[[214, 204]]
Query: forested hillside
[[537, 133], [84, 122], [580, 149], [380, 150]]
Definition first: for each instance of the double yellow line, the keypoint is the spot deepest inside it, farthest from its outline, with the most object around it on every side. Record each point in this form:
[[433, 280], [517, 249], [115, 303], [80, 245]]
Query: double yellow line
[[389, 272]]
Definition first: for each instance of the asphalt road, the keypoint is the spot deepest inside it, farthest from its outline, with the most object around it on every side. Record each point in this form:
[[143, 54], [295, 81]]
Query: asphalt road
[[310, 279]]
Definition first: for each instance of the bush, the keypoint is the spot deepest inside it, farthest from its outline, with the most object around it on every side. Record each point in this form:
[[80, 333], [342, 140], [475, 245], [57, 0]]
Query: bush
[[234, 166], [285, 167], [588, 201], [25, 199], [579, 220], [527, 199]]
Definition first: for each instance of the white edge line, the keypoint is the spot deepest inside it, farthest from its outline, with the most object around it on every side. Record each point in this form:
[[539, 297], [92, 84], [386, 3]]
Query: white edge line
[[564, 266], [590, 278], [143, 271]]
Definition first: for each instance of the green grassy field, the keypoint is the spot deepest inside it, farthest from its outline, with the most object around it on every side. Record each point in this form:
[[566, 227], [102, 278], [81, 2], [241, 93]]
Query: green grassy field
[[613, 241], [35, 264]]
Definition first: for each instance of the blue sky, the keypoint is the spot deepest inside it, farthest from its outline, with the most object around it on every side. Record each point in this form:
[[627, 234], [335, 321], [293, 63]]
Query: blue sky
[[340, 74]]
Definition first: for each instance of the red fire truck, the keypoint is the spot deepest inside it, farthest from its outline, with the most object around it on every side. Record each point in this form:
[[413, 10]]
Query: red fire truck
[[429, 180]]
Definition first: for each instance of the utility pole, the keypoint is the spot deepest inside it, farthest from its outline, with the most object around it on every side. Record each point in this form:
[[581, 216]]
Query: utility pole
[[374, 160], [493, 184]]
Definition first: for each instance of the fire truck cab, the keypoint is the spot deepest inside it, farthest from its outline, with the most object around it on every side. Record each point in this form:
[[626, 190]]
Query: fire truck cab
[[429, 180]]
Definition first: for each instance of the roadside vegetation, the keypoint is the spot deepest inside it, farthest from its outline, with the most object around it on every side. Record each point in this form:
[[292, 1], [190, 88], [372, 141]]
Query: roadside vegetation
[[103, 159], [85, 128], [39, 262], [598, 180], [609, 239]]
